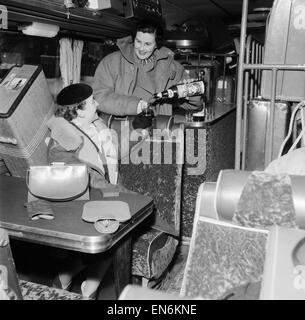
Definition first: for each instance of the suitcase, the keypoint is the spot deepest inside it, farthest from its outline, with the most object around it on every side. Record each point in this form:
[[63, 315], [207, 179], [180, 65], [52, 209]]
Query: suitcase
[[258, 112], [25, 107], [285, 45]]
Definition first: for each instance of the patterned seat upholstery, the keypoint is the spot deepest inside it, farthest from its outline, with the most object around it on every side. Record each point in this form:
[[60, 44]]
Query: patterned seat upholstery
[[155, 246], [227, 261]]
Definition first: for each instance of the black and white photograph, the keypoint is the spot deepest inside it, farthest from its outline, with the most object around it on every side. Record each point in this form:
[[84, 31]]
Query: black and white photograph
[[152, 153]]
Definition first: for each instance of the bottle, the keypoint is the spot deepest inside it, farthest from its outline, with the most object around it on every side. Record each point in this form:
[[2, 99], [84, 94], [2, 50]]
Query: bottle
[[182, 90], [149, 112]]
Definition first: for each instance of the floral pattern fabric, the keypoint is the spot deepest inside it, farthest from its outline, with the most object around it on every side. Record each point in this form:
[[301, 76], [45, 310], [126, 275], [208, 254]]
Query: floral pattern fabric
[[154, 249], [162, 257], [35, 291], [152, 253], [266, 200]]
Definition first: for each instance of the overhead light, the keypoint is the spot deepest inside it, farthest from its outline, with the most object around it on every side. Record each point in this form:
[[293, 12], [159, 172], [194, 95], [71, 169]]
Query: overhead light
[[40, 30], [111, 5], [69, 4]]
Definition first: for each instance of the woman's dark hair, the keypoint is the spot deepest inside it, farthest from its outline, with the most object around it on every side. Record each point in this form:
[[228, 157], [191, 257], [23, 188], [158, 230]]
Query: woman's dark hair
[[150, 26], [69, 112]]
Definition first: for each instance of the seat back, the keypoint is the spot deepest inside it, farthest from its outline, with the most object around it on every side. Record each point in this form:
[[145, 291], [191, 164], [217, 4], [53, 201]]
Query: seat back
[[219, 200], [221, 256], [156, 170], [284, 269]]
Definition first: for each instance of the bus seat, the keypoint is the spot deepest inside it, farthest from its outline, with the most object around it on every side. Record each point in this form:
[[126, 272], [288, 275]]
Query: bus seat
[[218, 200], [228, 255], [155, 246], [226, 261], [282, 278]]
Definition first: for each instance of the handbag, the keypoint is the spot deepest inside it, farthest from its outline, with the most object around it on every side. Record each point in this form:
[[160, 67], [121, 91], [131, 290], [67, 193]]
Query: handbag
[[58, 182]]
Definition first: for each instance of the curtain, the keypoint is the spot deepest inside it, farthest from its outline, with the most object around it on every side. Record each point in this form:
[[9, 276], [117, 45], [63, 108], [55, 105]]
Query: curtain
[[70, 60], [77, 58]]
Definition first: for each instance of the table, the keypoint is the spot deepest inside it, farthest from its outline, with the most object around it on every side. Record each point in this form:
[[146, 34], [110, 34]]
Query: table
[[68, 230]]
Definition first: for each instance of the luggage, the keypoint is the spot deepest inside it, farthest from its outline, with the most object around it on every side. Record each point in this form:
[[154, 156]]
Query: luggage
[[26, 104], [285, 45], [258, 112]]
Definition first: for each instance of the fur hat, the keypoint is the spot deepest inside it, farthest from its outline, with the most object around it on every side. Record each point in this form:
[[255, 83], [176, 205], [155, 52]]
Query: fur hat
[[74, 93]]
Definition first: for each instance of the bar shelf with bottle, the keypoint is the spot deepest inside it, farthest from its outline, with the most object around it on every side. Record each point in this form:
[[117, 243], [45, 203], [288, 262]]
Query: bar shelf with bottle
[[218, 71], [211, 140]]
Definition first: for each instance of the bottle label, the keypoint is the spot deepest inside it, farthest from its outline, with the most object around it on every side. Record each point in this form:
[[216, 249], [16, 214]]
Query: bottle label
[[190, 89]]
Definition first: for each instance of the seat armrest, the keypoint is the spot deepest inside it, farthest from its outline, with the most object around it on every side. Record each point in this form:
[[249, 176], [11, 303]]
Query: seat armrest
[[205, 202]]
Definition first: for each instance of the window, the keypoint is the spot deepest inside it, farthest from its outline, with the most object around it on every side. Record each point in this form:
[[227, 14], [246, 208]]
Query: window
[[17, 49], [93, 53]]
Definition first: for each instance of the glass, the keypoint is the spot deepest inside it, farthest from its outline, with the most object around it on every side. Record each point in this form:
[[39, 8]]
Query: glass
[[93, 53]]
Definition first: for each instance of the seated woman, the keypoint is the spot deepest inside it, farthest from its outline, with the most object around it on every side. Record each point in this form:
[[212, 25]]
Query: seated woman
[[79, 135]]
